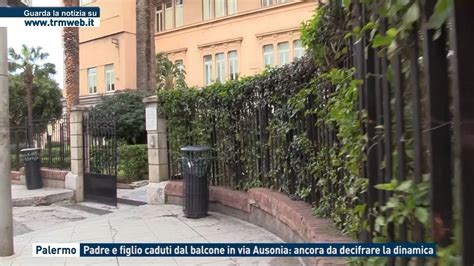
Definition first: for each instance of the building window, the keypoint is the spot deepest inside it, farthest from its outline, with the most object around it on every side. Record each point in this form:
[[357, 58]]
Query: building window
[[233, 65], [92, 80], [109, 78], [232, 7], [207, 69], [159, 18], [268, 55], [298, 49], [179, 64], [283, 53], [218, 8], [267, 2], [208, 9], [169, 15], [179, 13], [220, 67]]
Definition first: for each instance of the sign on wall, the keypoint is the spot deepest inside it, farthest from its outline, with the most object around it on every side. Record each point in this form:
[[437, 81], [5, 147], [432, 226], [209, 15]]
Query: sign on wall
[[151, 116]]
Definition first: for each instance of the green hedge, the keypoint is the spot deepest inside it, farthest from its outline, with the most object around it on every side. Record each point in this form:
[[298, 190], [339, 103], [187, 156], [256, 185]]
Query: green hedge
[[133, 163], [293, 128], [249, 123]]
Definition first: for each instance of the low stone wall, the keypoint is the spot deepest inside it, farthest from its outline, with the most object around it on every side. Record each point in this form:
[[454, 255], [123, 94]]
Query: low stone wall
[[289, 219], [51, 178], [15, 177]]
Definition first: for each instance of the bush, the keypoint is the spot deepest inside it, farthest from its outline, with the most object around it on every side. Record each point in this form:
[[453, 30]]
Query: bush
[[133, 165], [128, 110]]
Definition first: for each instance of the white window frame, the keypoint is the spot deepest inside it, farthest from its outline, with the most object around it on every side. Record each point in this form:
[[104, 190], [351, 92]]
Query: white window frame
[[169, 11], [220, 67], [179, 13], [179, 64], [268, 55], [110, 78], [298, 51], [92, 80], [159, 18], [207, 69], [266, 3], [283, 53], [233, 58], [223, 10], [210, 10], [232, 7]]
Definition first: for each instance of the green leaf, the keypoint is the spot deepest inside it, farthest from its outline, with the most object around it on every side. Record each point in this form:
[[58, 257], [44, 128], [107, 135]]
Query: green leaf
[[360, 208], [402, 2], [379, 222], [421, 214], [405, 186], [346, 3], [392, 32], [385, 40], [381, 40], [440, 14], [348, 35], [386, 186], [412, 14]]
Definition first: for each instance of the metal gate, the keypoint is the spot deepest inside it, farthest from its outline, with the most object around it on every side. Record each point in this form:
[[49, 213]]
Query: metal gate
[[100, 159]]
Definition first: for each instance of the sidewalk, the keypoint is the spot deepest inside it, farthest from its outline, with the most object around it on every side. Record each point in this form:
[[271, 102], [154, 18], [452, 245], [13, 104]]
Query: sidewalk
[[21, 196], [148, 223]]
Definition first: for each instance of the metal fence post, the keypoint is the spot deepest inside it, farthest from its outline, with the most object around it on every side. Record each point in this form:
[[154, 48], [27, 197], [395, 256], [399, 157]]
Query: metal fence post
[[463, 95]]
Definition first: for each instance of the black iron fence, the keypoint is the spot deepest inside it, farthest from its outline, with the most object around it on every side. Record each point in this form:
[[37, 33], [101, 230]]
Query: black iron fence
[[100, 145], [418, 108], [52, 137], [421, 97]]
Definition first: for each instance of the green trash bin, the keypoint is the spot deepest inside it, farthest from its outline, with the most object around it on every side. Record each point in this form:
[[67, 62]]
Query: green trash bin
[[196, 166], [32, 160]]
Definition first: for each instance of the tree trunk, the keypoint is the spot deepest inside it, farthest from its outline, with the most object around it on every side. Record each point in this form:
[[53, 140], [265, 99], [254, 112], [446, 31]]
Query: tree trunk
[[145, 39], [28, 78], [71, 61]]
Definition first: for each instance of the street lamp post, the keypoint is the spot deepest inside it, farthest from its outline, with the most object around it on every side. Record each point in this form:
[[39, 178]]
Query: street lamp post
[[6, 216]]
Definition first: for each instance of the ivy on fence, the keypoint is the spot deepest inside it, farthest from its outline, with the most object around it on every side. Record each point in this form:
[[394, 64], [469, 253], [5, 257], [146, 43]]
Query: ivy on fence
[[303, 128]]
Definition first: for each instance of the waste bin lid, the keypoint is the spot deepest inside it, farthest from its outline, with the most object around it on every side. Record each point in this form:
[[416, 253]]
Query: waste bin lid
[[195, 148], [30, 150]]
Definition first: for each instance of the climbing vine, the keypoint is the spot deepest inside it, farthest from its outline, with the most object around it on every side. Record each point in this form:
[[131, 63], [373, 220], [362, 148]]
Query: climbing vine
[[301, 128]]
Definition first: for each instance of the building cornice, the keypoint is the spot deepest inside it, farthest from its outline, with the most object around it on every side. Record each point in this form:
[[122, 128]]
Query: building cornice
[[106, 36], [276, 32], [233, 40], [263, 10], [176, 51]]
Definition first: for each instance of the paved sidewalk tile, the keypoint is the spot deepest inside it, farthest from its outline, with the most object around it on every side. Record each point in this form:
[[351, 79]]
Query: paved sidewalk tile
[[147, 224]]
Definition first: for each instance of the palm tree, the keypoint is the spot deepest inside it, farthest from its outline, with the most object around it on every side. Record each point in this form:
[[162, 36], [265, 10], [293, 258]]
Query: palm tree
[[27, 61], [71, 61], [145, 39], [168, 74]]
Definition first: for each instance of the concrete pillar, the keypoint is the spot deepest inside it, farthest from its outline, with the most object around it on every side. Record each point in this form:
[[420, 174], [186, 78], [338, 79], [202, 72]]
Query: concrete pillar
[[157, 151], [6, 216], [75, 179]]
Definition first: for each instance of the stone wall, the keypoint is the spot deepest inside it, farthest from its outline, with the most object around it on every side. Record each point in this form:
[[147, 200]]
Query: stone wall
[[51, 178], [289, 219]]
